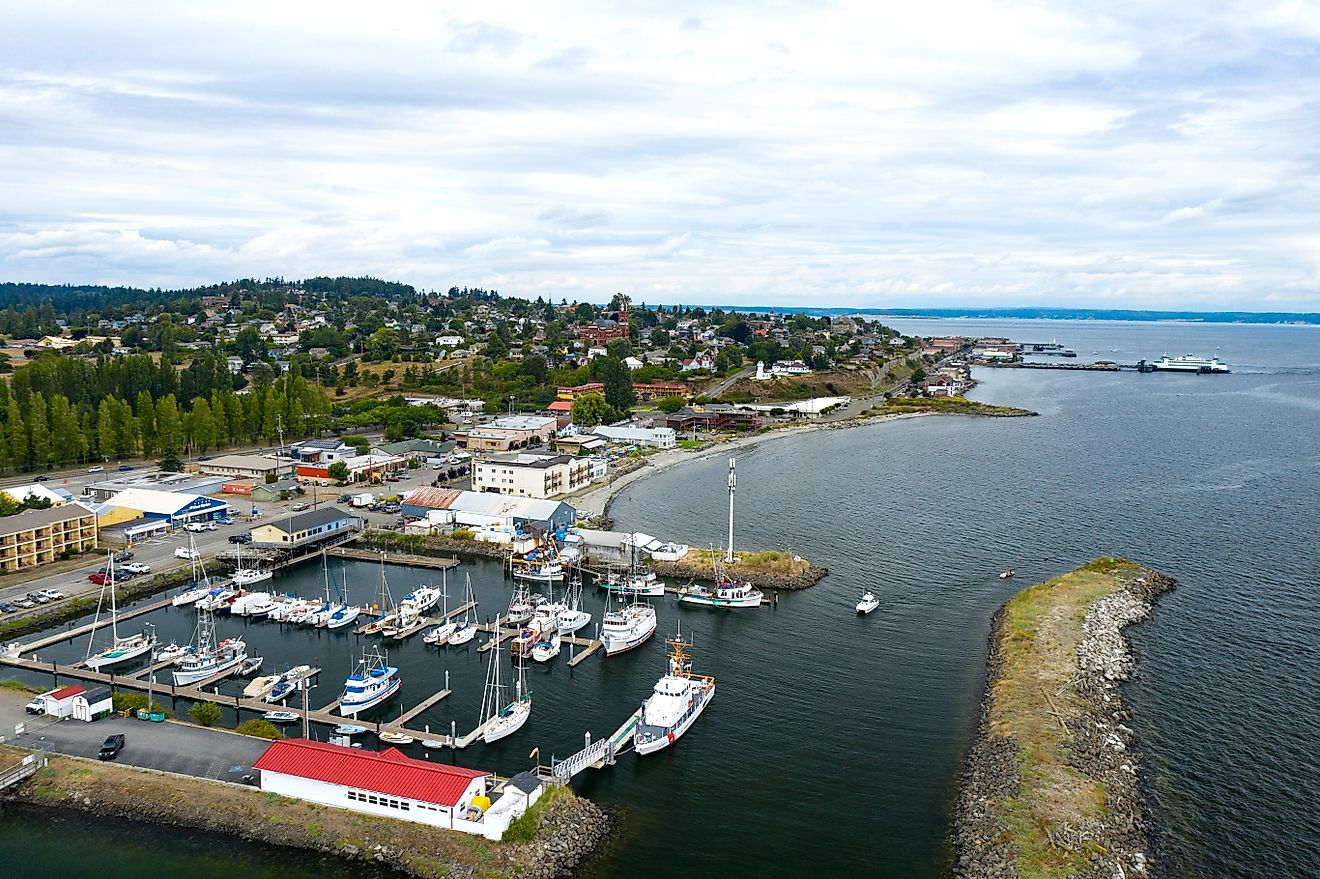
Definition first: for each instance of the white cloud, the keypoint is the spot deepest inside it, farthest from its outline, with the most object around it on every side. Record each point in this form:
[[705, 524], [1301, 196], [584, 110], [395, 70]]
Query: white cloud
[[842, 153]]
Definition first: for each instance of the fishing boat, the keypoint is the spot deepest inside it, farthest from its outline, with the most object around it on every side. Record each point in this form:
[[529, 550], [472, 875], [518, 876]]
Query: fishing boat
[[627, 627], [396, 738], [547, 648], [209, 658], [281, 716], [121, 648], [201, 583], [573, 617], [371, 684], [349, 729], [1007, 574], [521, 607], [726, 593], [247, 576], [868, 603], [540, 564], [542, 572], [499, 718], [676, 702], [639, 582]]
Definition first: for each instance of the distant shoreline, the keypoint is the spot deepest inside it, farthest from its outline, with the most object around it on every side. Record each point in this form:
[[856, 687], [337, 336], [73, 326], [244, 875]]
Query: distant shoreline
[[1107, 315]]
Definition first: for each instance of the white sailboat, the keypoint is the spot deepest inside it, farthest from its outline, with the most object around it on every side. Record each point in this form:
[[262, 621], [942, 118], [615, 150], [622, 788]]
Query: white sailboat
[[248, 576], [208, 657], [466, 628], [121, 649], [498, 718], [440, 634], [201, 583], [384, 609], [676, 702], [341, 614]]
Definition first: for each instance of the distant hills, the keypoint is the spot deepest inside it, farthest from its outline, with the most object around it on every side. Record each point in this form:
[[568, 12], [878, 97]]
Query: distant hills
[[1209, 317]]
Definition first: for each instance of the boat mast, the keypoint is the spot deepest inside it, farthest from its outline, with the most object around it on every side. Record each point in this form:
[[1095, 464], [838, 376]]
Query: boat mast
[[733, 485], [114, 615]]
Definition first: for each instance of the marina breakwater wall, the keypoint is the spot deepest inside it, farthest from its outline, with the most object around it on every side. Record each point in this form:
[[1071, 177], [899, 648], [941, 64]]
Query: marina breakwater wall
[[567, 831], [766, 570], [1052, 784]]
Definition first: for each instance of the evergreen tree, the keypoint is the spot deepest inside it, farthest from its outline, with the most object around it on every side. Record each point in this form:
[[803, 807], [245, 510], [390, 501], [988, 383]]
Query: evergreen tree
[[105, 428], [146, 415], [169, 428], [39, 449], [18, 436]]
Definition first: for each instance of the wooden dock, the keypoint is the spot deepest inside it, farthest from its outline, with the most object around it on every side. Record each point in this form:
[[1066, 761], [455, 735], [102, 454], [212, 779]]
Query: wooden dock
[[395, 558], [240, 703], [151, 669], [421, 706], [589, 645], [88, 628]]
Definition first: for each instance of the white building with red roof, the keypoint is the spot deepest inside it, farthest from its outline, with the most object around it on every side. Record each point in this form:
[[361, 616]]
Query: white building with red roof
[[59, 703], [388, 784]]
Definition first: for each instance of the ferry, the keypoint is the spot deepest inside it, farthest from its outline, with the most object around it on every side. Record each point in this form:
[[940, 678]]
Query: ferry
[[676, 702], [1190, 363], [371, 684]]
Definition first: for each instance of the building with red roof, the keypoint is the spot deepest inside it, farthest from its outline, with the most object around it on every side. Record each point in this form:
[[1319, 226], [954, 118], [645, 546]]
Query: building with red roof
[[59, 703], [389, 784]]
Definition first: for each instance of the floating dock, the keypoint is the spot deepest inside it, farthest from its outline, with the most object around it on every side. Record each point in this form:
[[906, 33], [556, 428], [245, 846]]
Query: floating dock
[[88, 628], [395, 558]]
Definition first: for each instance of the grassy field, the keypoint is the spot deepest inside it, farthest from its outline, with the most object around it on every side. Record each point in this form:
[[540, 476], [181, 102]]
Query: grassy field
[[1041, 627], [945, 405]]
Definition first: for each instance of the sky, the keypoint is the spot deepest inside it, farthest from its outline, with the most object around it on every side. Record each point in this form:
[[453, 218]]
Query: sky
[[1107, 154]]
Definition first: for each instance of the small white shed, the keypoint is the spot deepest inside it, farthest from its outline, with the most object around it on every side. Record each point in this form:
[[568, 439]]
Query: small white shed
[[93, 704]]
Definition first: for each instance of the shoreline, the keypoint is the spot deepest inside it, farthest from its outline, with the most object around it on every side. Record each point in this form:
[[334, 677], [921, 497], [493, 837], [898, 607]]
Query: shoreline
[[1044, 800]]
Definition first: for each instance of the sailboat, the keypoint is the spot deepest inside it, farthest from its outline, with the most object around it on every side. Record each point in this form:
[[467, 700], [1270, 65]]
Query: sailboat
[[498, 718], [676, 702], [440, 634], [369, 685], [121, 649], [248, 576], [343, 613], [208, 658], [410, 611], [385, 610], [466, 628], [201, 585]]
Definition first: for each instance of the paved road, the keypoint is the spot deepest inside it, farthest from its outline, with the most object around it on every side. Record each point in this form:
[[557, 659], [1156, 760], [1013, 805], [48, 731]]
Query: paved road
[[729, 382], [172, 747]]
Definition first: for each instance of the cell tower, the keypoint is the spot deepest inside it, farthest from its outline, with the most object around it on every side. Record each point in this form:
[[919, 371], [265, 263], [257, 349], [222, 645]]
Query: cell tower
[[733, 486]]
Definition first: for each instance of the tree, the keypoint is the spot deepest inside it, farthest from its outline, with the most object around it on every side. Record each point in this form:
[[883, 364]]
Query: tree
[[584, 313], [617, 379], [338, 471], [659, 338], [171, 464], [205, 713], [669, 404], [590, 410], [169, 428], [258, 728]]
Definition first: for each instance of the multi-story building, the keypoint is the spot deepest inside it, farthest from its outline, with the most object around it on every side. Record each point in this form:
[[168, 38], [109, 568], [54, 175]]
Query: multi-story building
[[39, 536], [530, 475]]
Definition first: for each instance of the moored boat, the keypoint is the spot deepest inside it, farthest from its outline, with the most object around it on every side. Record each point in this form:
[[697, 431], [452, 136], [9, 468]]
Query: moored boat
[[627, 627], [281, 717], [501, 719], [547, 648], [676, 702], [371, 684], [123, 648]]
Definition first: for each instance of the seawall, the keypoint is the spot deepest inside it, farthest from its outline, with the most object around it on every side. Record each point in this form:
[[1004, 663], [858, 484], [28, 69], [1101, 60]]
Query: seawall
[[1052, 783]]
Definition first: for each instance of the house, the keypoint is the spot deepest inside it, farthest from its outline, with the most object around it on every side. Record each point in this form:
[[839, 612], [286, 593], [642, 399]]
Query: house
[[703, 360], [360, 468], [562, 412], [174, 508], [37, 537], [633, 363], [448, 341], [235, 364], [313, 526], [579, 444], [59, 703], [91, 705], [246, 466], [650, 437], [782, 369], [530, 475], [391, 785], [280, 490]]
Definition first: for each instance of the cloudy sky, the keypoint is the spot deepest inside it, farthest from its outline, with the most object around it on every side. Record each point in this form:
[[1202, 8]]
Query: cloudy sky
[[1112, 154]]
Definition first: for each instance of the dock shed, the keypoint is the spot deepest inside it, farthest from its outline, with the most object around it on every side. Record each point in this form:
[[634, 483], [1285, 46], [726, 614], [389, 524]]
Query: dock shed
[[59, 703], [91, 705]]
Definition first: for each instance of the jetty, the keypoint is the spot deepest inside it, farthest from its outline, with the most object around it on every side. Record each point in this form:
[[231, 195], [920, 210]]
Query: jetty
[[88, 628], [599, 754], [412, 560], [375, 626], [589, 645]]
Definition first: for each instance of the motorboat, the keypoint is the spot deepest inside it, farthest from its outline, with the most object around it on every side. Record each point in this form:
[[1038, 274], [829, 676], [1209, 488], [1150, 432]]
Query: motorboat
[[521, 644], [547, 648], [421, 599], [868, 603], [281, 717], [372, 683], [725, 593], [675, 703], [250, 665], [244, 604], [394, 738], [627, 627], [173, 653], [247, 576], [259, 687], [573, 617], [289, 683], [349, 729], [1007, 574]]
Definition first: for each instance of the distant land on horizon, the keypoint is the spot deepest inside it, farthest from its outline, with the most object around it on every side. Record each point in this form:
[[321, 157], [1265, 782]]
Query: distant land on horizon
[[1054, 313]]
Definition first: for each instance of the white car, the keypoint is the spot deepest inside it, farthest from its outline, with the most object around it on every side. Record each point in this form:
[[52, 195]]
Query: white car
[[52, 594], [183, 552], [137, 568], [195, 526], [95, 469]]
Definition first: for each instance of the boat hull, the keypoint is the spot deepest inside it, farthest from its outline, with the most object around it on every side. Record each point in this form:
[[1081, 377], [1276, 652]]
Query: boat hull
[[355, 708], [711, 601], [508, 724], [118, 657], [192, 676], [659, 743]]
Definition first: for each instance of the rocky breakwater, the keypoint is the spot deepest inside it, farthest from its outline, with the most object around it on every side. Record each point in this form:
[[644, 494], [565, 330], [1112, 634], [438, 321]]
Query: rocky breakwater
[[555, 838], [765, 570], [1052, 785]]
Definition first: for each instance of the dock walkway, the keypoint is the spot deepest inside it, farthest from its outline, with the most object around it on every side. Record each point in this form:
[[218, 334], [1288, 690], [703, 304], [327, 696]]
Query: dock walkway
[[394, 558], [88, 628]]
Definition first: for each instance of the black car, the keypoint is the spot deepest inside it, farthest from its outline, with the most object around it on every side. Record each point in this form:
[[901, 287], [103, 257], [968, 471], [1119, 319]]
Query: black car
[[124, 468], [111, 747], [240, 538], [41, 479], [123, 556]]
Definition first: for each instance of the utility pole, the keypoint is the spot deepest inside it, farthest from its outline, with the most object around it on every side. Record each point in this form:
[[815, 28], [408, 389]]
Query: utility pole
[[733, 486]]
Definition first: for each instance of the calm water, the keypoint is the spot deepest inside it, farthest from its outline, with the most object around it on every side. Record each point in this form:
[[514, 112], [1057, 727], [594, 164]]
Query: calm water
[[834, 743]]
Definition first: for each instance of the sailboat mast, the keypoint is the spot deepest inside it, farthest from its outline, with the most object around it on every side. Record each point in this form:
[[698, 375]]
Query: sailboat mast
[[114, 613]]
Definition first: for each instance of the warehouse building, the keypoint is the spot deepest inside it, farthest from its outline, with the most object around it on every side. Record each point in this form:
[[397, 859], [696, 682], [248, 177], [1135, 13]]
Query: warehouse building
[[246, 466], [173, 508], [314, 526]]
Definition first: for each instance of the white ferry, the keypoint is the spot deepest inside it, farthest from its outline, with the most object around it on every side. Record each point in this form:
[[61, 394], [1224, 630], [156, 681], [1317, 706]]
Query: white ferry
[[1191, 363]]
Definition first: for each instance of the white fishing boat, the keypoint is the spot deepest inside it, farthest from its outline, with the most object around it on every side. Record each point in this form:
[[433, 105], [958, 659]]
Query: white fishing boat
[[573, 617], [521, 607], [545, 616], [726, 593], [281, 717], [499, 718], [121, 649], [371, 684], [627, 627], [547, 648], [209, 658], [540, 572], [676, 702], [638, 583], [868, 603]]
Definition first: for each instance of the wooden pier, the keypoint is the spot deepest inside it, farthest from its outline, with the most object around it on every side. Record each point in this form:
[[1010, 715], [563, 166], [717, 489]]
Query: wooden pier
[[421, 706], [422, 622], [88, 628], [395, 558], [589, 645]]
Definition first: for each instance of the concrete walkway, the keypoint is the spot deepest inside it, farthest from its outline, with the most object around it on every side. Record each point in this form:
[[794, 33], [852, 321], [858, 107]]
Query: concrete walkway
[[171, 747]]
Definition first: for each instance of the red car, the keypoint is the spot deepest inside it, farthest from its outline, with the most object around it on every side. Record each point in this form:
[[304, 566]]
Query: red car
[[98, 578]]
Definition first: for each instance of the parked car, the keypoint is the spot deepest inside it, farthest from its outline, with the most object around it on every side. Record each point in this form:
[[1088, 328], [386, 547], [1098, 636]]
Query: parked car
[[137, 568], [37, 597], [123, 574], [124, 468], [123, 555], [111, 747], [204, 457], [8, 607], [24, 603], [211, 526], [225, 521], [41, 479], [195, 526], [183, 552], [298, 508], [240, 538], [52, 594], [343, 498]]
